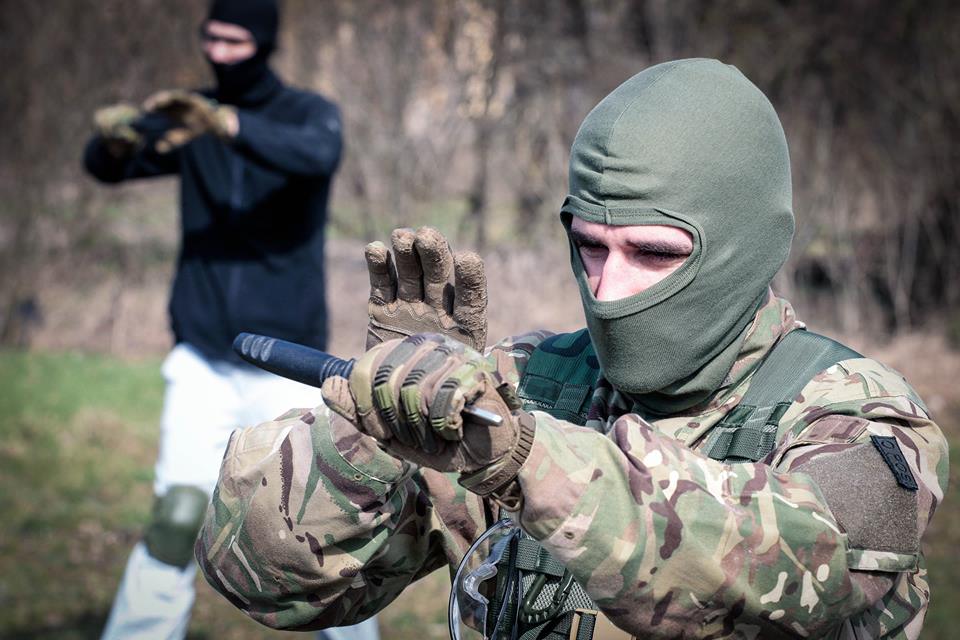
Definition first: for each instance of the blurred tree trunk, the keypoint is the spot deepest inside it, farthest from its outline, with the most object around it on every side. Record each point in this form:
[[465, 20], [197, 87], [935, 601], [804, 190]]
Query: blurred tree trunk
[[487, 77]]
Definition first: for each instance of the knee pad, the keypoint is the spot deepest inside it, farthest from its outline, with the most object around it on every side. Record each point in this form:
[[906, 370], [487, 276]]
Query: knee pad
[[177, 516]]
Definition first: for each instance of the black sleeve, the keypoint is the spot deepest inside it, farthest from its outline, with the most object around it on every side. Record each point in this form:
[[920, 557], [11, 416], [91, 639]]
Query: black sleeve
[[105, 167], [311, 149], [146, 162]]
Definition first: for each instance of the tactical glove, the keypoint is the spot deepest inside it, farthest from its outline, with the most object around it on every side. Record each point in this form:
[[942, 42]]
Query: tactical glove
[[192, 115], [114, 125], [410, 291], [410, 394]]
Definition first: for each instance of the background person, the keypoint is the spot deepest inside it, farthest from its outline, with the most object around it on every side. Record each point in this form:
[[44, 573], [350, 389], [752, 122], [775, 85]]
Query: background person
[[255, 160]]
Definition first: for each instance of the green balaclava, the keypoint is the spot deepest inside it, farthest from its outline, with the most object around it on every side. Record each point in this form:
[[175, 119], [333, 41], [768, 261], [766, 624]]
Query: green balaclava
[[691, 144]]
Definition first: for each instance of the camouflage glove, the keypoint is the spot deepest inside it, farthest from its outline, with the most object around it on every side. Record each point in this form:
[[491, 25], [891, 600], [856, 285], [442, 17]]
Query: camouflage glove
[[410, 394], [410, 291], [114, 125], [192, 115]]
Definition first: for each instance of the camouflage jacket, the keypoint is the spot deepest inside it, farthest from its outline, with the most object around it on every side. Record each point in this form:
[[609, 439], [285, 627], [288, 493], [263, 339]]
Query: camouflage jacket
[[313, 526]]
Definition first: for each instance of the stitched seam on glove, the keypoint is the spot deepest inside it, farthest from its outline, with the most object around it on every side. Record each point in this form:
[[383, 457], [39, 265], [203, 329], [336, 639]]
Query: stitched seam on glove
[[483, 484]]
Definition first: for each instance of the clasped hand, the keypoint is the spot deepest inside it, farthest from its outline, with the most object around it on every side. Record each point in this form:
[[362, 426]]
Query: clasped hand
[[422, 367], [190, 115], [409, 395]]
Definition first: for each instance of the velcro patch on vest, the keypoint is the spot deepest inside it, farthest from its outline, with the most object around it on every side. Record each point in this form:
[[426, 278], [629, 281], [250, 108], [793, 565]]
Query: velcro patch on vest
[[539, 389], [572, 396], [893, 456]]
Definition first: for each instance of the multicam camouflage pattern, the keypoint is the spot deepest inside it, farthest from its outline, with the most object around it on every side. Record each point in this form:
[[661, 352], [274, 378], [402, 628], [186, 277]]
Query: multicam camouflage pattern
[[313, 525], [394, 380]]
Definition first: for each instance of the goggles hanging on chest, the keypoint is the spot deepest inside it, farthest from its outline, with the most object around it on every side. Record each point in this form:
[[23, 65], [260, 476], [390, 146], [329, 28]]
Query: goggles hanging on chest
[[508, 587], [480, 579]]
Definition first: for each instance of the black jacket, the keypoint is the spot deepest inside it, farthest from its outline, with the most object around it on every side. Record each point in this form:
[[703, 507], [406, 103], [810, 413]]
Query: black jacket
[[252, 213]]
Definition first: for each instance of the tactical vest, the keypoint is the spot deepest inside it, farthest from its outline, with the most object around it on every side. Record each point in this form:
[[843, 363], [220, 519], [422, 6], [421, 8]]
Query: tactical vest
[[559, 379]]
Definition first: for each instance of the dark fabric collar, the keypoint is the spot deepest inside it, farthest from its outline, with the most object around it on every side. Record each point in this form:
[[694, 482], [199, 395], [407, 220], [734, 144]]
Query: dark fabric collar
[[267, 85]]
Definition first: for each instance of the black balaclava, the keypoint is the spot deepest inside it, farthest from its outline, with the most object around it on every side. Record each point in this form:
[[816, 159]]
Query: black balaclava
[[249, 80]]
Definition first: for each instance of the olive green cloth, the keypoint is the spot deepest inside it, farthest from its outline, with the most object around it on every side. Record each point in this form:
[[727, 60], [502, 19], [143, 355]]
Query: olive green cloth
[[695, 145]]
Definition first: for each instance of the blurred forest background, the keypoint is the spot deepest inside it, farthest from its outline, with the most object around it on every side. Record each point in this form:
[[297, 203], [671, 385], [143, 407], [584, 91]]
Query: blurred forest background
[[459, 114]]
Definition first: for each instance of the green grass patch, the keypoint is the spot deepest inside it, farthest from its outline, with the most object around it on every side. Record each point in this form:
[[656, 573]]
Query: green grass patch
[[77, 442]]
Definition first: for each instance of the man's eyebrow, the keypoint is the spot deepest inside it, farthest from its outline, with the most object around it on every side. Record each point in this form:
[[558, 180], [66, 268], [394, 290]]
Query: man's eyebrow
[[585, 239], [661, 245]]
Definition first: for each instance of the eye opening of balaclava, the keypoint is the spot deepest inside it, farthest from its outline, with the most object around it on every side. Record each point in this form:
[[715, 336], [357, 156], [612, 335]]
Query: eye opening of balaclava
[[659, 292], [691, 144], [244, 81]]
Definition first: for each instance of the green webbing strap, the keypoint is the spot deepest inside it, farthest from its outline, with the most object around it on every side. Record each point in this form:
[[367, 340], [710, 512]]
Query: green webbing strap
[[587, 622], [749, 432], [552, 605], [560, 376], [571, 625], [533, 557]]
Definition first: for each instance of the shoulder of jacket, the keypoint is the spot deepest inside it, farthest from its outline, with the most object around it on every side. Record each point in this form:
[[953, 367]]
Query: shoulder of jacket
[[858, 379], [308, 98]]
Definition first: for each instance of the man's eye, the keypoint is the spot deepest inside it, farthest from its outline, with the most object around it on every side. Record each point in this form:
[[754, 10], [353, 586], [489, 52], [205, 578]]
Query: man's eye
[[592, 251]]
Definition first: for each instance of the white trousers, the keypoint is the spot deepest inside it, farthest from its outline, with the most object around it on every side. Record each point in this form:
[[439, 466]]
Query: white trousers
[[204, 402]]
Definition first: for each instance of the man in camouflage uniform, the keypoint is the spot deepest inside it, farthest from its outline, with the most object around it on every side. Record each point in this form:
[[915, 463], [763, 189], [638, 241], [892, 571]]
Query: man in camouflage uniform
[[679, 215]]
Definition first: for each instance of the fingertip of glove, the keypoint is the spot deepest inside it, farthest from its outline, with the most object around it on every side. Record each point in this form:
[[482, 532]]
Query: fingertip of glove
[[408, 264], [469, 267], [403, 238], [430, 240], [376, 253], [157, 98], [508, 394], [337, 396]]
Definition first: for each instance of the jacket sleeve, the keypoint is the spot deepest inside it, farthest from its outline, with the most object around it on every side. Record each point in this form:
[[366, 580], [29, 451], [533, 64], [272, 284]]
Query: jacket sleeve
[[308, 150], [312, 526], [144, 163], [671, 543]]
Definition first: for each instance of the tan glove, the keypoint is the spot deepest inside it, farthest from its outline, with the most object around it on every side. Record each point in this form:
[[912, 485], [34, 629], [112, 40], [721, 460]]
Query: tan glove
[[114, 125], [192, 115], [410, 395], [410, 290]]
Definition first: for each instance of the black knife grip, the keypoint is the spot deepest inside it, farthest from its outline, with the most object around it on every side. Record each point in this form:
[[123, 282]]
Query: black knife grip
[[291, 360]]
